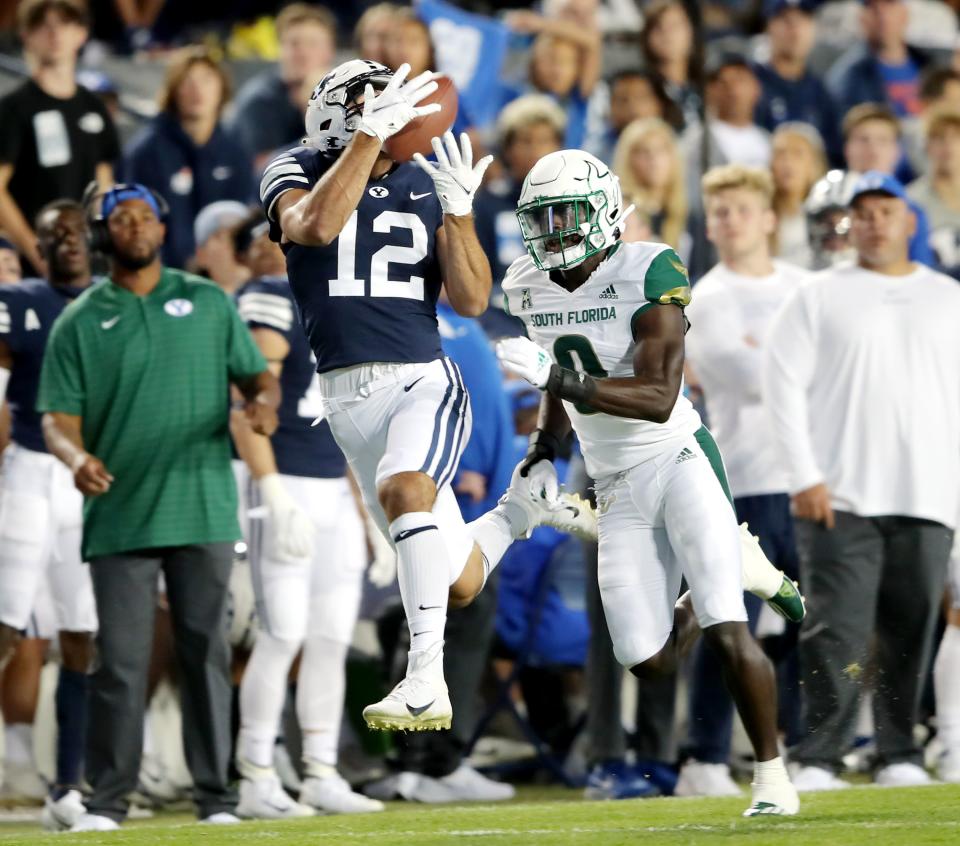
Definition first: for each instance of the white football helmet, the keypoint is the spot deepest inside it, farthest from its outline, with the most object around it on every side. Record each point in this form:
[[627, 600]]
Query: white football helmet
[[333, 113], [571, 207], [828, 218]]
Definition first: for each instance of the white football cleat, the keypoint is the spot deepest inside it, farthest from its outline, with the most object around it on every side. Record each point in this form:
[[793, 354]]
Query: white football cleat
[[761, 578], [325, 790], [420, 702], [95, 822], [812, 779], [64, 813], [262, 796], [698, 778], [903, 774], [778, 800], [568, 513]]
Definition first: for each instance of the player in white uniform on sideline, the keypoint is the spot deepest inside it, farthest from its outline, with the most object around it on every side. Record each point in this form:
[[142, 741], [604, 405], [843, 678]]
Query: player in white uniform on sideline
[[307, 558], [607, 326], [41, 512], [369, 242]]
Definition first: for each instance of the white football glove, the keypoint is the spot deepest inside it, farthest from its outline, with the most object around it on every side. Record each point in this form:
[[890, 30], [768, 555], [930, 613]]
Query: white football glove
[[293, 529], [523, 358], [383, 569], [542, 478], [455, 177], [388, 112]]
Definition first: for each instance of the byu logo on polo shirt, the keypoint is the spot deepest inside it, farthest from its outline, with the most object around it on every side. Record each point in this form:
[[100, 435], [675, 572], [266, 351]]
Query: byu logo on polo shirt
[[178, 307], [378, 191]]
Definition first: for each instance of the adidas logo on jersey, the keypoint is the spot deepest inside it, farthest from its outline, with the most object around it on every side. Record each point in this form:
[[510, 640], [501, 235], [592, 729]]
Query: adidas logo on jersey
[[609, 293], [685, 455]]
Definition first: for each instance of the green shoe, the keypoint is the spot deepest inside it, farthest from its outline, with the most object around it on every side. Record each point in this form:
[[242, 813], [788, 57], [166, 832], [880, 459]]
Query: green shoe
[[788, 601]]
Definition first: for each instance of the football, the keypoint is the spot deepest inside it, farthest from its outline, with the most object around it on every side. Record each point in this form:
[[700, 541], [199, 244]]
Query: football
[[415, 137]]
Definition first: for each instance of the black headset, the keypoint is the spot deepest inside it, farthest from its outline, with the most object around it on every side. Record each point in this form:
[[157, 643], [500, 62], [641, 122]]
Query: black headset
[[98, 235]]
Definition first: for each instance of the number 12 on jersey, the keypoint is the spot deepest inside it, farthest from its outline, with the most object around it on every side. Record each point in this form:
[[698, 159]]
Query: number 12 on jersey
[[348, 285]]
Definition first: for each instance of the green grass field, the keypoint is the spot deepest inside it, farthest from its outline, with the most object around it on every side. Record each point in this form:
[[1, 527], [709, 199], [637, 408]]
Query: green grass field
[[863, 815]]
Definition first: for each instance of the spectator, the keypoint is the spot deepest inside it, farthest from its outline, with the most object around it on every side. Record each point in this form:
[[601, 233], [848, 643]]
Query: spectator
[[9, 262], [871, 141], [373, 30], [939, 87], [730, 316], [528, 129], [668, 48], [860, 377], [938, 192], [185, 154], [408, 40], [799, 160], [647, 160], [57, 136], [142, 423], [791, 90], [268, 112], [884, 69], [216, 255], [946, 674], [633, 95]]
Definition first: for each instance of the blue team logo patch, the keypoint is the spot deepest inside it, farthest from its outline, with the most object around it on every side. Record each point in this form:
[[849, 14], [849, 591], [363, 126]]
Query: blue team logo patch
[[378, 191], [178, 307]]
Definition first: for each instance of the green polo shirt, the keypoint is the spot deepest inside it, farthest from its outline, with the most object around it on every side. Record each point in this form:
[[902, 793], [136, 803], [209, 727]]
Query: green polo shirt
[[150, 377]]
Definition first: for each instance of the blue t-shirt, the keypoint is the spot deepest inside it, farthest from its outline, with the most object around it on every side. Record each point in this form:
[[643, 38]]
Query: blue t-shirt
[[301, 449], [370, 295], [28, 310], [902, 84]]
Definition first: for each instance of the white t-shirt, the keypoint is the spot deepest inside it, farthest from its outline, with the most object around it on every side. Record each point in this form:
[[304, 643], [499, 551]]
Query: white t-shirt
[[591, 329], [730, 315], [862, 378], [746, 145]]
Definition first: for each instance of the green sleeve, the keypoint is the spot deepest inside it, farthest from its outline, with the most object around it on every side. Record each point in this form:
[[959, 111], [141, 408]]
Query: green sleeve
[[244, 358], [667, 280], [61, 378]]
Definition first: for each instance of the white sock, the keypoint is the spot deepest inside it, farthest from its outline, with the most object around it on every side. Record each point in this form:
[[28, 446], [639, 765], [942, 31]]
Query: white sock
[[320, 692], [262, 693], [493, 533], [18, 743], [770, 772], [423, 571], [946, 683]]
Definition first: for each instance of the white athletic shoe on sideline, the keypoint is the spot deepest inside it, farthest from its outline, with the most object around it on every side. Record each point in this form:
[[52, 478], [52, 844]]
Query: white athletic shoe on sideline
[[761, 578], [262, 796], [418, 703], [568, 513], [325, 790], [221, 818], [903, 774], [948, 767], [95, 822], [702, 779], [811, 779], [62, 814], [470, 785]]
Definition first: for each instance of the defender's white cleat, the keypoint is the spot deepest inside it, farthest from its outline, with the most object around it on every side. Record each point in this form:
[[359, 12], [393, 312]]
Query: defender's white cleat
[[64, 813], [420, 702], [262, 796], [566, 512], [761, 578], [329, 792]]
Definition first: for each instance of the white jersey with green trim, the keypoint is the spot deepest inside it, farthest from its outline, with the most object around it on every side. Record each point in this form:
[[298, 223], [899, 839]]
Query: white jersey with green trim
[[591, 329]]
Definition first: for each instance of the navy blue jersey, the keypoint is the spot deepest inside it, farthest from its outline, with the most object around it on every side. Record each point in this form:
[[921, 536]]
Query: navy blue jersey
[[300, 448], [27, 312], [371, 295]]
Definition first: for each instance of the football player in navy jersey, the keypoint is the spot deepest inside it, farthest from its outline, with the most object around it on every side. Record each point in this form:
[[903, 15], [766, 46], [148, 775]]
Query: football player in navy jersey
[[368, 243], [40, 509], [307, 559]]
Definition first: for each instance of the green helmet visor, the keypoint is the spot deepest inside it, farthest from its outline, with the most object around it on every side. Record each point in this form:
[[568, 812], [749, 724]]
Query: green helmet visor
[[559, 231]]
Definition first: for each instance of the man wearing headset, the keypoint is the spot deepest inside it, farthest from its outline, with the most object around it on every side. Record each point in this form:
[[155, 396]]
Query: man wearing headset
[[134, 391]]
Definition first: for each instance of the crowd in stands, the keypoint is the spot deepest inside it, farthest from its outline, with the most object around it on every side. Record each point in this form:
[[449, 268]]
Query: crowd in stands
[[664, 92]]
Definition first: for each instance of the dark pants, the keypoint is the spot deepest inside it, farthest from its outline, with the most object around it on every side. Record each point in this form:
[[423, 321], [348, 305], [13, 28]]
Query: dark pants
[[711, 708], [125, 586], [870, 582], [467, 640], [656, 698]]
